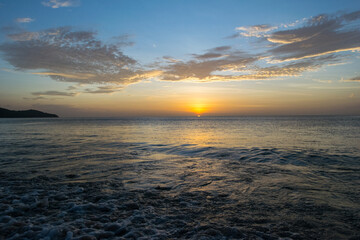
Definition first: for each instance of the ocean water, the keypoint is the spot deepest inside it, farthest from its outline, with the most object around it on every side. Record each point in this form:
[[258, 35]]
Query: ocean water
[[169, 178]]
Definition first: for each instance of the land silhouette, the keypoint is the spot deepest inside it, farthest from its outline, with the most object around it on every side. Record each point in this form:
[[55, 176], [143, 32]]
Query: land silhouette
[[6, 113]]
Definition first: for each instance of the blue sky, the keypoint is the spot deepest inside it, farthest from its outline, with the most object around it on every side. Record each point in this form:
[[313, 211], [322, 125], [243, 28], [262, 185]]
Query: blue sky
[[144, 58]]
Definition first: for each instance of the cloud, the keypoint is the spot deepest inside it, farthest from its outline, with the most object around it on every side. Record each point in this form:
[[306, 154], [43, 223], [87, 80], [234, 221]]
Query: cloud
[[65, 75], [170, 59], [23, 36], [24, 20], [275, 72], [217, 52], [54, 93], [214, 53], [123, 40], [221, 48], [308, 37], [226, 64], [354, 79], [206, 71], [68, 55], [72, 56], [7, 70], [104, 90], [34, 98], [61, 3], [322, 81], [256, 30], [321, 35], [293, 24], [71, 93], [202, 66], [209, 55]]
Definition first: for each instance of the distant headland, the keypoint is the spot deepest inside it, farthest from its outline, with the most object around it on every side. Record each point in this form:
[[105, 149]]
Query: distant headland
[[6, 113]]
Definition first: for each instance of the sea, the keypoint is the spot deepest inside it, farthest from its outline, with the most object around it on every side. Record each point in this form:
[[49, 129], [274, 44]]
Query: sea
[[271, 177]]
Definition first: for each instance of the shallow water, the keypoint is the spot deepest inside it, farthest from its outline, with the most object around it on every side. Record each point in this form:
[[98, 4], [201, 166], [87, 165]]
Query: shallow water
[[160, 178]]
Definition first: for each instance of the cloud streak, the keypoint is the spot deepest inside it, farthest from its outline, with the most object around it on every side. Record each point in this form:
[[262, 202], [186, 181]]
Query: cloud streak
[[256, 30], [354, 79], [104, 90], [24, 20], [61, 3], [54, 93]]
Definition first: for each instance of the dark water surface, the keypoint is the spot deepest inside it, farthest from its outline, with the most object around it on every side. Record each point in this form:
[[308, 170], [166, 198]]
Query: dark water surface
[[168, 178]]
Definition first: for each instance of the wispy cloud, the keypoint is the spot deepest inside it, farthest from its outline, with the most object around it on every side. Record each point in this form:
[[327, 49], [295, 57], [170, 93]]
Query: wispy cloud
[[322, 81], [170, 59], [71, 91], [354, 79], [123, 40], [34, 98], [104, 90], [66, 75], [321, 35], [24, 20], [54, 93], [24, 36], [217, 52], [61, 3], [256, 30], [7, 70]]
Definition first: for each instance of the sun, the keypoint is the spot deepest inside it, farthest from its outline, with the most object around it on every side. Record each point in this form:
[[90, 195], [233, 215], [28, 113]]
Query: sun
[[198, 109]]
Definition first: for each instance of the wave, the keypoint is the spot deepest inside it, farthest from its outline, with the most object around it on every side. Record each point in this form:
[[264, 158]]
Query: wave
[[257, 155]]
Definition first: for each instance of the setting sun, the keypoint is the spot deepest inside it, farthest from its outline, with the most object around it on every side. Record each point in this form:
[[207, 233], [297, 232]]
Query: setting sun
[[199, 109]]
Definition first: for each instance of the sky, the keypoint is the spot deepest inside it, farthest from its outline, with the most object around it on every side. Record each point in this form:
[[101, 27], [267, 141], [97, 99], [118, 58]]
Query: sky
[[120, 58]]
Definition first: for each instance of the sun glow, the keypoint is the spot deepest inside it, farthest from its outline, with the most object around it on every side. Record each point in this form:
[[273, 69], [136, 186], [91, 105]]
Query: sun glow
[[198, 109]]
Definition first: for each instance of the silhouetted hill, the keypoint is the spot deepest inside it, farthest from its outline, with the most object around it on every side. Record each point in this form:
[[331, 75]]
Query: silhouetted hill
[[5, 113]]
